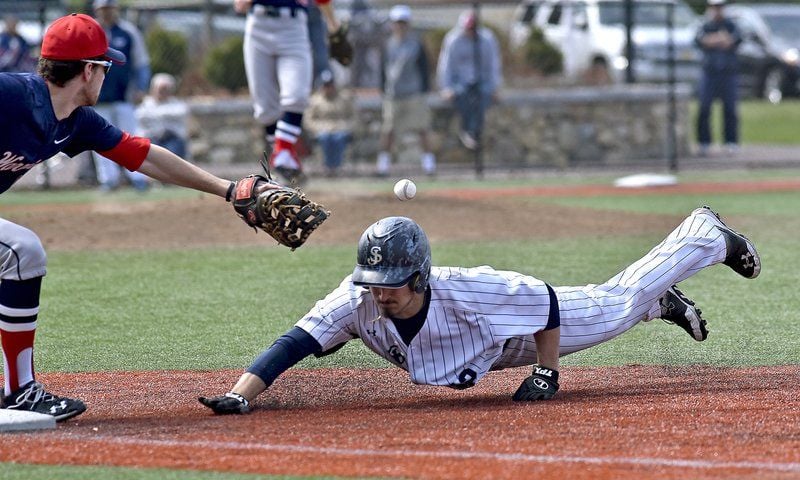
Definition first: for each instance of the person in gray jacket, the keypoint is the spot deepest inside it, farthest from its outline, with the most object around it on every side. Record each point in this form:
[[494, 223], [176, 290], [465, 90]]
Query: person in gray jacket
[[469, 74], [404, 83]]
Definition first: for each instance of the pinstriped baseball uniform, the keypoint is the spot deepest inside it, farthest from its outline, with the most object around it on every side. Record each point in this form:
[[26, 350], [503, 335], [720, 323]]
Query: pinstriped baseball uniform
[[481, 319]]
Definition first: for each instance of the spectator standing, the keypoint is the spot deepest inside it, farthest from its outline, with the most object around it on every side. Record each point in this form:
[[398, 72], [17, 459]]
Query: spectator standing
[[367, 35], [14, 49], [330, 116], [162, 116], [123, 88], [469, 74], [404, 82], [719, 39]]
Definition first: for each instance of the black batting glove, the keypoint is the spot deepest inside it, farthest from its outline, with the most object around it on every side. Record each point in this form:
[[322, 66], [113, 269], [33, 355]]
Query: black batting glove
[[542, 385], [226, 404]]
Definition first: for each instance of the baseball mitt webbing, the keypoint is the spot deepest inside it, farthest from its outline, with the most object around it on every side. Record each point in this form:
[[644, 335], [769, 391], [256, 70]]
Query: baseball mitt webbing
[[286, 214]]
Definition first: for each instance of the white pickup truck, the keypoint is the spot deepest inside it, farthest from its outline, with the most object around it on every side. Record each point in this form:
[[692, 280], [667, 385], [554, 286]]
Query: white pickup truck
[[591, 35]]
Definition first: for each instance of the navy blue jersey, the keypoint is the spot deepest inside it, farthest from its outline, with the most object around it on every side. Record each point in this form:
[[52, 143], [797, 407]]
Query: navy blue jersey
[[117, 79], [30, 132]]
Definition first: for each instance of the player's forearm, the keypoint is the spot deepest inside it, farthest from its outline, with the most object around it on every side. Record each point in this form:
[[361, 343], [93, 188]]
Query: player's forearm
[[166, 167], [286, 352], [249, 386], [547, 346], [329, 15]]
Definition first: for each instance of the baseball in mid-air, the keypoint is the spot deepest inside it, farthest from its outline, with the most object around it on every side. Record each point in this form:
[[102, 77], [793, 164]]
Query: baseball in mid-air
[[405, 189]]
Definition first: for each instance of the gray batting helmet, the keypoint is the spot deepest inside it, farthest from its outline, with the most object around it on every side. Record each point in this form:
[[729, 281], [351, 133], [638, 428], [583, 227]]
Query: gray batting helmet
[[391, 253]]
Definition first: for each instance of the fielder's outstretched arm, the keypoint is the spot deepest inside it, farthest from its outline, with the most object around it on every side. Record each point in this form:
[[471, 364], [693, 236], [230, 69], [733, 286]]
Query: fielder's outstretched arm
[[166, 167], [286, 352]]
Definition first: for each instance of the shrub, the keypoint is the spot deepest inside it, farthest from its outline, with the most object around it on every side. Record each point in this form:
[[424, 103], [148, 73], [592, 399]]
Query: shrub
[[224, 65], [541, 55], [169, 51]]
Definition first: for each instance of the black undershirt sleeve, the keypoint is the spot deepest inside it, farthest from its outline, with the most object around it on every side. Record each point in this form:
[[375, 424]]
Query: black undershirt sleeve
[[286, 352]]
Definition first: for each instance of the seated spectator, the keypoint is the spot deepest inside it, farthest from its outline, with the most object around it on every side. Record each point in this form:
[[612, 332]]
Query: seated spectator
[[14, 49], [330, 116], [162, 116]]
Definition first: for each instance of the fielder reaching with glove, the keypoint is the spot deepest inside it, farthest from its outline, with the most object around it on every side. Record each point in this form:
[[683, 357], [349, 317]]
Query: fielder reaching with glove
[[450, 326], [48, 113], [277, 60]]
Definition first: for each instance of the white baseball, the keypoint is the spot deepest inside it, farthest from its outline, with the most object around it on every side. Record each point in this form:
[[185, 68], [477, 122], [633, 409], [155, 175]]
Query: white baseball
[[405, 189]]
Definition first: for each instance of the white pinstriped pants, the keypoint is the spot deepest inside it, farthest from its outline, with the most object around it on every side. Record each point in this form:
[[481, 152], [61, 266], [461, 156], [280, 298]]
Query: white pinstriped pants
[[594, 314]]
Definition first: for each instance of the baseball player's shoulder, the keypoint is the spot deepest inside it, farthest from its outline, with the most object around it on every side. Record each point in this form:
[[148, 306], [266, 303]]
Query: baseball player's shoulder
[[22, 92]]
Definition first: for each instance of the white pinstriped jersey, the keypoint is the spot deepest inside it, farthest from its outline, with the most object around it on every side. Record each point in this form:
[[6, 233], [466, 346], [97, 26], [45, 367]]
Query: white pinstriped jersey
[[473, 312], [482, 319]]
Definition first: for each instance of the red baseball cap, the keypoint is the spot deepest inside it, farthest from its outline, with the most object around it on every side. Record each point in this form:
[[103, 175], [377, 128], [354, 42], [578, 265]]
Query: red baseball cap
[[78, 37]]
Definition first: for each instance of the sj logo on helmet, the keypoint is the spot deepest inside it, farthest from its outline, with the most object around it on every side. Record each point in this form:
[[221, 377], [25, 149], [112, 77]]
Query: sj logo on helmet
[[375, 256]]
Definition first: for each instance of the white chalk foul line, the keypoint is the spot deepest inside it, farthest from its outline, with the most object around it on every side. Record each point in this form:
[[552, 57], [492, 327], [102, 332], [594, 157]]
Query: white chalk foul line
[[511, 457]]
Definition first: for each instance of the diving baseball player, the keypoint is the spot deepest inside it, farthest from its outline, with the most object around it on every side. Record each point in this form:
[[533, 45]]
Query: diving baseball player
[[277, 60], [450, 326], [44, 114]]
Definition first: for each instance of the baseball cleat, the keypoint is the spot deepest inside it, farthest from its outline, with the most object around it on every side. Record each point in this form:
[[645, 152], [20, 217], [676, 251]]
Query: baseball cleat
[[33, 398], [679, 310], [742, 256]]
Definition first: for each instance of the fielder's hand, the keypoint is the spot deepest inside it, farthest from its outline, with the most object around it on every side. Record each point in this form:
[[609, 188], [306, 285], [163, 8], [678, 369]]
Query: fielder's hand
[[542, 385], [226, 404], [339, 47]]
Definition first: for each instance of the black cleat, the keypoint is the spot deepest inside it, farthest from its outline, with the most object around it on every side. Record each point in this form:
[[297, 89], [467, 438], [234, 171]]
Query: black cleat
[[33, 398], [742, 256], [679, 310]]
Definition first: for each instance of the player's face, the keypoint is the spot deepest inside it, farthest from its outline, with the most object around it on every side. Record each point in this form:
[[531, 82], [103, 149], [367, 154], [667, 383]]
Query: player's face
[[397, 303], [91, 91]]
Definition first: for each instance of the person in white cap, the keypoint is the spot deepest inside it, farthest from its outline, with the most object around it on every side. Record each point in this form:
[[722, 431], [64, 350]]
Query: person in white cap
[[718, 38], [405, 82]]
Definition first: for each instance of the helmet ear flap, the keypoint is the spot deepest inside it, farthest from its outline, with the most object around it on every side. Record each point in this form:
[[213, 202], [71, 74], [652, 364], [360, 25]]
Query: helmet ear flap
[[416, 283]]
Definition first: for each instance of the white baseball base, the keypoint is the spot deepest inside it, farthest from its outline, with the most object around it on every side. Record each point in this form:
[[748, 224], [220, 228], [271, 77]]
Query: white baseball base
[[15, 421]]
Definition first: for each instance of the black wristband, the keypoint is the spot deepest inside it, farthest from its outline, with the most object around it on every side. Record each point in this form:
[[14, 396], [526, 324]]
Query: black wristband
[[546, 372], [229, 193]]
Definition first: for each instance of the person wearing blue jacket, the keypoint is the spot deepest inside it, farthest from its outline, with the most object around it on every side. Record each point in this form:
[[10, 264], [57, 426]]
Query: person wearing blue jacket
[[718, 38]]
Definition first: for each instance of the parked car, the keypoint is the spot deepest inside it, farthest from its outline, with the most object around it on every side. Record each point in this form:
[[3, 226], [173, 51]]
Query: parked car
[[591, 34], [769, 56]]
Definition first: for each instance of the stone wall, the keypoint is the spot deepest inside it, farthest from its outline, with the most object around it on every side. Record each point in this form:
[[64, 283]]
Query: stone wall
[[559, 128]]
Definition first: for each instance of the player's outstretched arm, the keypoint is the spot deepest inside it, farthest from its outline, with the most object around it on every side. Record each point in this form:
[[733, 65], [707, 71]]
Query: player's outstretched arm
[[326, 8], [166, 167], [289, 349]]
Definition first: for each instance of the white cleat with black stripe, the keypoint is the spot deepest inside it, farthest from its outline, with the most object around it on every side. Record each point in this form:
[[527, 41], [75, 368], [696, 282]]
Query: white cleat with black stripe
[[677, 309]]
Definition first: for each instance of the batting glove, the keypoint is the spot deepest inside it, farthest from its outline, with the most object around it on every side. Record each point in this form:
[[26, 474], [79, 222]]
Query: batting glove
[[226, 404], [542, 385]]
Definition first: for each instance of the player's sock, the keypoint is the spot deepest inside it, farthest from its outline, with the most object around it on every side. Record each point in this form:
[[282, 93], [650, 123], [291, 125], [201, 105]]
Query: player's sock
[[269, 132], [289, 127], [19, 308], [284, 157], [288, 130]]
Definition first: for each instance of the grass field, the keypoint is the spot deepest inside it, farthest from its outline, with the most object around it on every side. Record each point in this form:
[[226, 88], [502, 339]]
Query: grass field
[[217, 308], [760, 122]]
